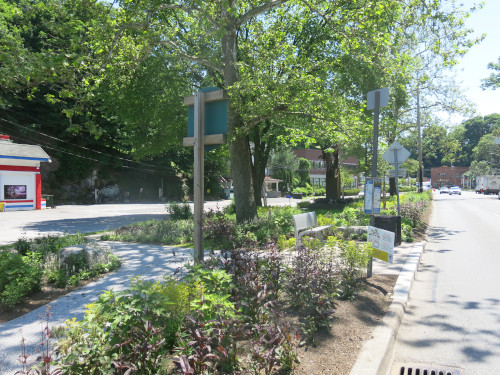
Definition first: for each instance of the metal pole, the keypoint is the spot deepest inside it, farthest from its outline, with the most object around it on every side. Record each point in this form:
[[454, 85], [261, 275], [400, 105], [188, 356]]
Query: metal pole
[[374, 164], [397, 178], [199, 166], [420, 169]]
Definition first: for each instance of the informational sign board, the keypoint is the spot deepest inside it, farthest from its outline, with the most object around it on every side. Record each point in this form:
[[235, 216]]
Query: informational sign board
[[215, 116], [382, 242], [372, 196]]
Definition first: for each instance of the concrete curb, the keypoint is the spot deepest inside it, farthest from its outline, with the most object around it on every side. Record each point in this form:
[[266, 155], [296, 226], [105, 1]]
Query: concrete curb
[[375, 355]]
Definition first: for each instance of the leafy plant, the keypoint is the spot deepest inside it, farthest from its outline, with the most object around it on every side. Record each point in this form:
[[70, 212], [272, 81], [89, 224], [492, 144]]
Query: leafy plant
[[19, 276], [352, 264], [130, 330], [179, 211], [207, 346]]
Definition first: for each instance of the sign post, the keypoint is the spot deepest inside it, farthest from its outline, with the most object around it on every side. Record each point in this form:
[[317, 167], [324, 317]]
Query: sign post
[[199, 141], [374, 100], [396, 155]]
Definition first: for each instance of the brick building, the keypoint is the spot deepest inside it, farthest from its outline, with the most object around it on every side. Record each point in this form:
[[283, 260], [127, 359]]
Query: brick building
[[317, 174], [447, 176]]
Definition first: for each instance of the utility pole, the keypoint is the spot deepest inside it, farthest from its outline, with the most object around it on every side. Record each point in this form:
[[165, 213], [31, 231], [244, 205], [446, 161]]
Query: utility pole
[[420, 169]]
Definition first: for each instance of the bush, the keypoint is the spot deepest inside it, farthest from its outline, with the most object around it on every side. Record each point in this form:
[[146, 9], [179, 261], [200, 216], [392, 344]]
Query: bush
[[179, 211], [19, 276], [130, 330], [353, 191], [165, 232], [354, 258]]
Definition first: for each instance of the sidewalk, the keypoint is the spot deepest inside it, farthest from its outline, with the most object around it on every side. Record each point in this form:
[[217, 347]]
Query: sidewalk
[[152, 263]]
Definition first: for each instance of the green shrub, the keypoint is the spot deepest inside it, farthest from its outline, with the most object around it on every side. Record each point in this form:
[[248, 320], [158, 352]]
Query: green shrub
[[165, 232], [179, 211], [19, 277], [353, 191], [137, 326], [354, 258], [407, 233]]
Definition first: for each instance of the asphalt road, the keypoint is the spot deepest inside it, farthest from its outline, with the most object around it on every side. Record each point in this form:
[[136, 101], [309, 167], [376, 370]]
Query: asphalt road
[[453, 315], [71, 219]]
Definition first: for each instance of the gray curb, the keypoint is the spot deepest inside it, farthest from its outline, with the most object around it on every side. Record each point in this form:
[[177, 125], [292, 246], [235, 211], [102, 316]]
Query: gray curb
[[375, 355]]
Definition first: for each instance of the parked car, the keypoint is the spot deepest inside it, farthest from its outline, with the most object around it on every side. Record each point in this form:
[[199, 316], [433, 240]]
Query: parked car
[[444, 190], [455, 190]]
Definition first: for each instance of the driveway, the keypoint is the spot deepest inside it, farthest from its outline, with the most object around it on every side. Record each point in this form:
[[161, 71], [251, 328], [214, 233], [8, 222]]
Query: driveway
[[71, 219]]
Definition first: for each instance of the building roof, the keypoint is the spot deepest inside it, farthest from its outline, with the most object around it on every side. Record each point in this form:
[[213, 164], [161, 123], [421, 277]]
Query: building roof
[[20, 154]]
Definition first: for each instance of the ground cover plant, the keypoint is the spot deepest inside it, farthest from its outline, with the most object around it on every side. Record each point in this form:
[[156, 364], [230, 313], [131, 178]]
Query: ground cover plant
[[273, 225], [239, 312], [32, 263]]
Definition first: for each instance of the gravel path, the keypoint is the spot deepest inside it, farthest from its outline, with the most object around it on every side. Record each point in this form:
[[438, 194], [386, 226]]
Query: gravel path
[[149, 261]]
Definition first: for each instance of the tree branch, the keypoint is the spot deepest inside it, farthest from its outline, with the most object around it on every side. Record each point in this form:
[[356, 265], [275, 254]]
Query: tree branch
[[258, 10], [195, 59]]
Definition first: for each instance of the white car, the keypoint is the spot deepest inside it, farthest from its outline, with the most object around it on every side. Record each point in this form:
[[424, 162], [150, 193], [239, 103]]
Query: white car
[[455, 190]]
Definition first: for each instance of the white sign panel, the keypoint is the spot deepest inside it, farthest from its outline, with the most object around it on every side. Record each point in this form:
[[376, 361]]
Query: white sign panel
[[396, 151], [401, 172], [382, 242], [384, 98]]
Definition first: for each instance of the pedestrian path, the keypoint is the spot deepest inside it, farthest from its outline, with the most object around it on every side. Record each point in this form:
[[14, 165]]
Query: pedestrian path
[[148, 261]]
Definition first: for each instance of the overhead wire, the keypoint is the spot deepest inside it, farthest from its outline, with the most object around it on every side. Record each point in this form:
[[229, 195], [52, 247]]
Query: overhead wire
[[38, 140]]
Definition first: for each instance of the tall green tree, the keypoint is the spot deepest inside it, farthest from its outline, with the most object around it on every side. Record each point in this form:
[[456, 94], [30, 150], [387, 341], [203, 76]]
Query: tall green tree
[[493, 81]]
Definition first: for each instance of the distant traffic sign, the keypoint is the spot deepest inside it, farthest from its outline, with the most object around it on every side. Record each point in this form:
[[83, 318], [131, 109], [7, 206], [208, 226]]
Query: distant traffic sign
[[384, 98], [396, 152], [401, 172]]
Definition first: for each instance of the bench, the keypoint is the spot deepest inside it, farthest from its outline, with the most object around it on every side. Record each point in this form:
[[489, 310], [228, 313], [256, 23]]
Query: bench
[[306, 224]]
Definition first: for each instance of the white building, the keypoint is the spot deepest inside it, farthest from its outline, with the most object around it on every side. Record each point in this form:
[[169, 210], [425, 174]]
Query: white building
[[20, 180]]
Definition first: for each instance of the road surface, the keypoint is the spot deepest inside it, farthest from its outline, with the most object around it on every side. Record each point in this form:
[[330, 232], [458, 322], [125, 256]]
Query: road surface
[[71, 219], [453, 315]]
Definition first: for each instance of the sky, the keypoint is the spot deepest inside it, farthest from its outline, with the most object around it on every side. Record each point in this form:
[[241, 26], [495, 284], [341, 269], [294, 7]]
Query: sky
[[474, 65]]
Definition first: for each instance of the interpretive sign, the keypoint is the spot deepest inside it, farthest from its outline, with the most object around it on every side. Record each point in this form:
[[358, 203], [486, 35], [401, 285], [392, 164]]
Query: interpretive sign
[[382, 242]]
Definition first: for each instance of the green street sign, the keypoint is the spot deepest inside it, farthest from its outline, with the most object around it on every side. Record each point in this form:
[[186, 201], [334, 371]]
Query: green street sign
[[215, 117]]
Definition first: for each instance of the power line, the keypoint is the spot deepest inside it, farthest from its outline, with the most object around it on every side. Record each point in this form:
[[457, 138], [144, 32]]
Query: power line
[[158, 169]]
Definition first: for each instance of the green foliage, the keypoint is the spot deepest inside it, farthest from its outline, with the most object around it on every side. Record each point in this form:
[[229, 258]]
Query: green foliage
[[134, 328], [48, 244], [285, 243], [165, 232], [354, 258], [352, 191], [19, 276], [407, 233], [179, 211]]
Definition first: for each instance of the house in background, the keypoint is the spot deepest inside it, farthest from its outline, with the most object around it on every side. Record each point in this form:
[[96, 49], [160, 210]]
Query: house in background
[[447, 176], [317, 174], [20, 180]]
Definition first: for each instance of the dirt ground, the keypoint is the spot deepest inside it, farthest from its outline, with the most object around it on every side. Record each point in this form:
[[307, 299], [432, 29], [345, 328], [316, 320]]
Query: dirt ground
[[336, 350]]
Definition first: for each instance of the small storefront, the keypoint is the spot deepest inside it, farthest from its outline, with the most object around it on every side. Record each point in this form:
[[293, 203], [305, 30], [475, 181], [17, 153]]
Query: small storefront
[[20, 179]]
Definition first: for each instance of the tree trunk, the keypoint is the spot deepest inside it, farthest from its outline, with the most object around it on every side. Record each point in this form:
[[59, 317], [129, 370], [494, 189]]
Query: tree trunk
[[392, 186], [332, 173], [260, 158], [241, 160], [329, 187]]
